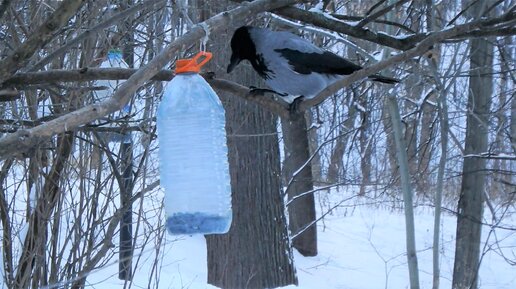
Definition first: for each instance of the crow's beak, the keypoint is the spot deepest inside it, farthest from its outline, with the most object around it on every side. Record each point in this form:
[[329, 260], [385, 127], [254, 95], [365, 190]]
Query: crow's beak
[[235, 60]]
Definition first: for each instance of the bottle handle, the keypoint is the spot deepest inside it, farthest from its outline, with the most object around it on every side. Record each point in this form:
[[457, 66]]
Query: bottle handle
[[207, 56], [193, 64]]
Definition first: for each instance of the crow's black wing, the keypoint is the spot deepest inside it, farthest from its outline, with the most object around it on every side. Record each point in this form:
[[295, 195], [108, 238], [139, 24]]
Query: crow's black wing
[[326, 62]]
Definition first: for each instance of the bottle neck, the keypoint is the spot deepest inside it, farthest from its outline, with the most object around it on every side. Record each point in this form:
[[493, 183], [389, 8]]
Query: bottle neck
[[187, 73]]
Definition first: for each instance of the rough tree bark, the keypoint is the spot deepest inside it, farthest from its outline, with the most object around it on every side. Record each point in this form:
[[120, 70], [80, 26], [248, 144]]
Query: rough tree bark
[[259, 226], [471, 200]]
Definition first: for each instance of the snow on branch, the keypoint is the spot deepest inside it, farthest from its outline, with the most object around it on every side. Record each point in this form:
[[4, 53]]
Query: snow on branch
[[502, 25], [493, 156], [421, 48]]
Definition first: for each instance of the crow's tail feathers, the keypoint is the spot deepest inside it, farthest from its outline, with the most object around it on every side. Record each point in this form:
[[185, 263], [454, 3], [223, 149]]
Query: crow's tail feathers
[[384, 79]]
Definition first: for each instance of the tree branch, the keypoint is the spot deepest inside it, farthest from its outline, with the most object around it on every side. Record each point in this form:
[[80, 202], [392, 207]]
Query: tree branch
[[321, 20], [381, 21], [493, 26], [89, 32], [424, 45], [24, 140], [88, 74], [3, 7], [374, 16], [84, 74], [9, 94], [40, 37], [418, 50], [276, 107]]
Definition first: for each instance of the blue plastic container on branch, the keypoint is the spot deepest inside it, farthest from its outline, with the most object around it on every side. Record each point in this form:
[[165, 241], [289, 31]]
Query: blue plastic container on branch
[[194, 169]]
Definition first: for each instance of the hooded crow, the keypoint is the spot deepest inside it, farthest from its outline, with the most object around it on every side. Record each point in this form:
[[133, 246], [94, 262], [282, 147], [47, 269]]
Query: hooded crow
[[290, 65]]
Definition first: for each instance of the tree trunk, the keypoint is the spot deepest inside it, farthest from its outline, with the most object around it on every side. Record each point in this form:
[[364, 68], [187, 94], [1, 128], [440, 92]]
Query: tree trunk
[[298, 170], [126, 222], [426, 137], [256, 252], [402, 156], [471, 200], [35, 240], [390, 147], [125, 264], [341, 142], [425, 154], [366, 146], [513, 125], [313, 123], [403, 169]]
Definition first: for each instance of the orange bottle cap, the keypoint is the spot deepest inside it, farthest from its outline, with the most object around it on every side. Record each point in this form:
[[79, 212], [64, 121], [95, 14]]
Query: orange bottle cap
[[193, 64]]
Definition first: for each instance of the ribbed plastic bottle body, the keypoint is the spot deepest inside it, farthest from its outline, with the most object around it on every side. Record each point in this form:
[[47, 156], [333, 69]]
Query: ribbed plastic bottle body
[[194, 168]]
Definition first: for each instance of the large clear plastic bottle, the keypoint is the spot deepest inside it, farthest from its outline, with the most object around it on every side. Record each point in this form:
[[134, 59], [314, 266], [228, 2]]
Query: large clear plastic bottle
[[194, 168]]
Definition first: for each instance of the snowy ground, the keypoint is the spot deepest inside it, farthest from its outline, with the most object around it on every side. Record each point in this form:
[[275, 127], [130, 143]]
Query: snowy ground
[[360, 247]]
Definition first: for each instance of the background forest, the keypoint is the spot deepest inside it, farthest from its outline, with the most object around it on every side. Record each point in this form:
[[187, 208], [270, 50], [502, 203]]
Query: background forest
[[79, 179]]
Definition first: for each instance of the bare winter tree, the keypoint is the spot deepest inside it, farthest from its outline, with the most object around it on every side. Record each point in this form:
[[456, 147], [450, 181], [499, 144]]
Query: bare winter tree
[[95, 160], [259, 226], [471, 200], [63, 172]]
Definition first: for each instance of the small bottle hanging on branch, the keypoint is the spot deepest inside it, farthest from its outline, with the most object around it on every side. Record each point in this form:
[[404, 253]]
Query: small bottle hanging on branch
[[194, 168], [114, 59]]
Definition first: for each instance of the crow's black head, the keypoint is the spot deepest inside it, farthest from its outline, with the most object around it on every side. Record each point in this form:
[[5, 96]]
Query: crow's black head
[[242, 47]]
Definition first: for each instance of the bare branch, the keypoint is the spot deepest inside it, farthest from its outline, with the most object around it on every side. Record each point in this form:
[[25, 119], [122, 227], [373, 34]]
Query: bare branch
[[493, 26], [9, 94], [320, 20], [244, 92], [84, 74], [108, 22], [493, 156], [24, 140], [381, 21], [41, 36], [418, 50], [88, 74], [379, 13]]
